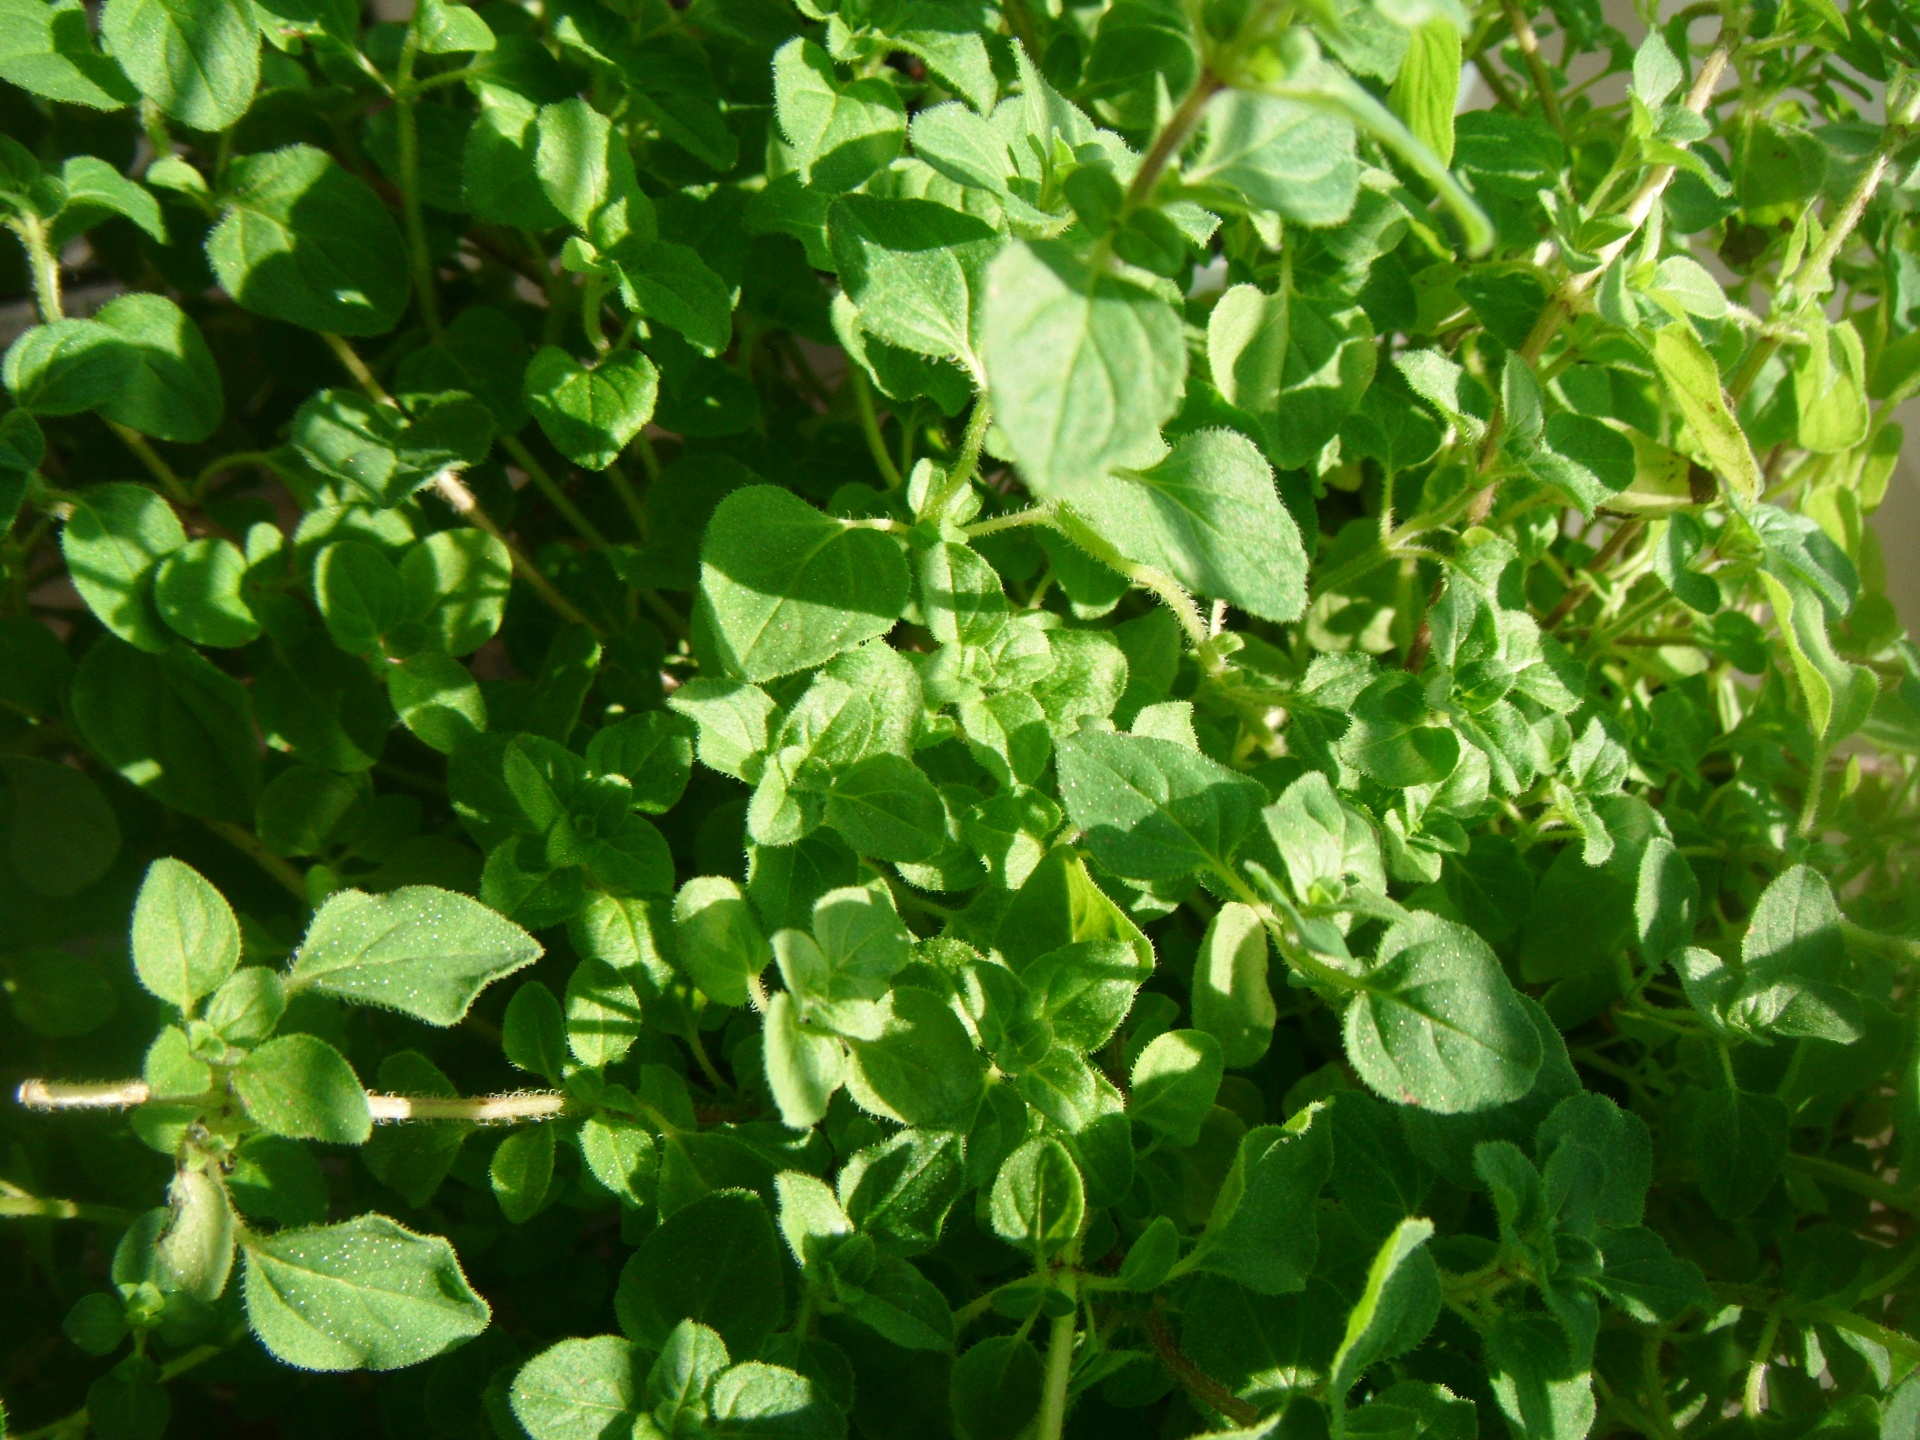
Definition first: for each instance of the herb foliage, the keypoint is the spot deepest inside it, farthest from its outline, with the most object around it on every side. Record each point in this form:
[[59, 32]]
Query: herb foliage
[[896, 719]]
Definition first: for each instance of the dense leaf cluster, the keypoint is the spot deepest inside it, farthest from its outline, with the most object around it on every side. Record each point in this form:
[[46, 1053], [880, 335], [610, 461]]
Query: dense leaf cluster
[[1161, 738]]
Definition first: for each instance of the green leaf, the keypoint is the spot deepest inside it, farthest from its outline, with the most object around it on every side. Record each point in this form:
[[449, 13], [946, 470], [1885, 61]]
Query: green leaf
[[534, 1033], [996, 1388], [886, 808], [1083, 366], [1210, 517], [437, 699], [1644, 1280], [459, 579], [1542, 1387], [1427, 90], [622, 1156], [715, 1261], [421, 950], [1231, 999], [718, 938], [1038, 1200], [787, 588], [1395, 1310], [755, 1400], [173, 725], [198, 591], [198, 60], [1174, 1083], [301, 1087], [114, 537], [577, 1389], [917, 270], [306, 242], [591, 415], [172, 391], [360, 595], [60, 833], [916, 1063], [522, 1171], [670, 283], [67, 366], [803, 1068], [1270, 154], [382, 456], [840, 133], [185, 939], [1390, 739], [1738, 1142], [1154, 809], [449, 28], [1438, 1025], [900, 1190], [1693, 380], [366, 1295], [1255, 1232], [48, 49], [587, 172]]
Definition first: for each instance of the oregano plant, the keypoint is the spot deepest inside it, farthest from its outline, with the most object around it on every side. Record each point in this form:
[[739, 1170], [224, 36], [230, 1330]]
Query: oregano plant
[[930, 720]]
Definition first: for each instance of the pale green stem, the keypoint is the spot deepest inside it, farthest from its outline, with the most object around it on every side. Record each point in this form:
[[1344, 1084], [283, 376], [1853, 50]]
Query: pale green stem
[[1145, 576], [405, 100], [870, 426], [45, 265], [453, 490], [968, 461], [249, 844], [1053, 1397], [549, 487], [156, 465], [630, 499], [1033, 515]]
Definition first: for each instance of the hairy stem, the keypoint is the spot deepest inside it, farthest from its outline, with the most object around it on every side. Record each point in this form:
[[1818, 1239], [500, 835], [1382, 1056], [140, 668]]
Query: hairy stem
[[1202, 1386], [44, 264]]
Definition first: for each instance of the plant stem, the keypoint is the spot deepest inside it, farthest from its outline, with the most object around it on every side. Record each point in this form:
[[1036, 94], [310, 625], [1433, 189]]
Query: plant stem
[[1529, 44], [450, 488], [16, 1205], [82, 1095], [1145, 576], [1757, 1367], [1816, 783], [408, 128], [1583, 587], [1169, 142], [630, 499], [351, 362], [1053, 1398], [44, 264], [1202, 1386], [870, 426], [247, 843], [549, 487], [967, 461], [479, 1109], [175, 487], [1032, 515]]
